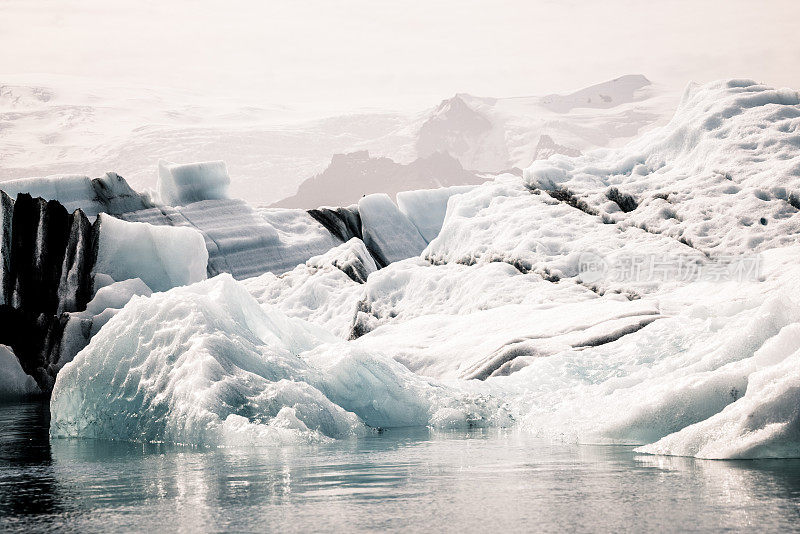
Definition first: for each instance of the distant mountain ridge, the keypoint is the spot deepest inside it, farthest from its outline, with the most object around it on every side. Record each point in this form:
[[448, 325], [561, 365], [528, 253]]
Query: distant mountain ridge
[[351, 176], [66, 125], [604, 95]]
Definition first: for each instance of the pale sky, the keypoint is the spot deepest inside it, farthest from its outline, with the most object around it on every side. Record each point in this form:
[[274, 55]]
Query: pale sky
[[371, 53]]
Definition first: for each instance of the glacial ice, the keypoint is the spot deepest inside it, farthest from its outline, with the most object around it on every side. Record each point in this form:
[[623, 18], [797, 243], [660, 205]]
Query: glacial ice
[[722, 175], [242, 240], [108, 194], [181, 184], [414, 288], [117, 294], [426, 208], [321, 291], [505, 221], [492, 319], [206, 365], [352, 258], [388, 233], [505, 338], [762, 423], [14, 383], [162, 257]]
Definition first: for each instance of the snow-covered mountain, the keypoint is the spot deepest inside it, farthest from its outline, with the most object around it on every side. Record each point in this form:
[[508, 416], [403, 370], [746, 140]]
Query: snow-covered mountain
[[643, 294], [494, 134], [69, 125]]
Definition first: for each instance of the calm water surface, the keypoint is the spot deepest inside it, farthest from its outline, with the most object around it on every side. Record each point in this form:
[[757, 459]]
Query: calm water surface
[[410, 480]]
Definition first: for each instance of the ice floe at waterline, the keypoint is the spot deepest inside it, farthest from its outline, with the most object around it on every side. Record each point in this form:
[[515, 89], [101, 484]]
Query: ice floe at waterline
[[206, 365]]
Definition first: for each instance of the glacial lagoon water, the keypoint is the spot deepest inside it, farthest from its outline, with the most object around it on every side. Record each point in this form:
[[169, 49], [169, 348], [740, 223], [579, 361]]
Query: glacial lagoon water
[[401, 480]]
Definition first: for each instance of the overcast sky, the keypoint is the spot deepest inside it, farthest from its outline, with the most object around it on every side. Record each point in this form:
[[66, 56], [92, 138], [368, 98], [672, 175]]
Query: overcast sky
[[400, 53]]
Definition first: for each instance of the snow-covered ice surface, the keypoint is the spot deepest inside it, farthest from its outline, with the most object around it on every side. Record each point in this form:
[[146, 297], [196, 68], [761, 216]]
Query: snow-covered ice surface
[[506, 221], [426, 208], [206, 365], [697, 377], [724, 174], [518, 310], [321, 290]]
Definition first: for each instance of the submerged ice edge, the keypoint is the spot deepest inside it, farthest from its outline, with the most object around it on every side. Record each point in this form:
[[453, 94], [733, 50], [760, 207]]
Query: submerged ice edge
[[206, 365]]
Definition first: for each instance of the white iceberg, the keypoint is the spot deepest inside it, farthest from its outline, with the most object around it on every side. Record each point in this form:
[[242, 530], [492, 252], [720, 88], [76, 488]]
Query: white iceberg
[[109, 193], [181, 184], [206, 365], [161, 256], [492, 319]]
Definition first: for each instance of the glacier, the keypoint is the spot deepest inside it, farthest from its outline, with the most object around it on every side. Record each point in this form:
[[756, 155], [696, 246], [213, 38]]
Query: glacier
[[643, 294]]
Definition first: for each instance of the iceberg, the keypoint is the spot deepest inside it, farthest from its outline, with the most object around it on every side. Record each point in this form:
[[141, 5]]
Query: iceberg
[[14, 382], [592, 298], [108, 194], [205, 365], [721, 175], [201, 365], [426, 208], [389, 235], [162, 257], [181, 184]]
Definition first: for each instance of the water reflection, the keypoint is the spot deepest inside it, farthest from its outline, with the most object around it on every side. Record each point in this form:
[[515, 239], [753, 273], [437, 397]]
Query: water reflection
[[741, 489], [400, 480], [27, 485]]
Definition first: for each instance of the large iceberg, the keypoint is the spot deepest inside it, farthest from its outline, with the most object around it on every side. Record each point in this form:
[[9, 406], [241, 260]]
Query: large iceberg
[[206, 365], [644, 295]]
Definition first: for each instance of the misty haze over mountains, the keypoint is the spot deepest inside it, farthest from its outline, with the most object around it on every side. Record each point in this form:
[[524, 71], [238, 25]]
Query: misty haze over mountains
[[79, 126]]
